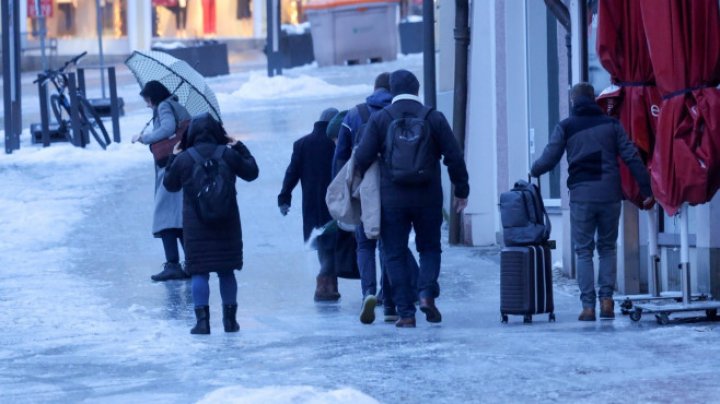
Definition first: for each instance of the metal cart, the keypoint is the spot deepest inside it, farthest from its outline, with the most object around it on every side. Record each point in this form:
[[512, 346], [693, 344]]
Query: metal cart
[[628, 302], [663, 309]]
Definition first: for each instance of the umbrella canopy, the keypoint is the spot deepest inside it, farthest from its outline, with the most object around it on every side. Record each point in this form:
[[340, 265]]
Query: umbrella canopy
[[684, 43], [633, 97], [181, 79]]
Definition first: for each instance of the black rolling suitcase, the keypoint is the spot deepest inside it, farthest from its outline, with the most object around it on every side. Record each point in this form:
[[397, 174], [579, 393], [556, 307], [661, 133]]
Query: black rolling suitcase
[[526, 282]]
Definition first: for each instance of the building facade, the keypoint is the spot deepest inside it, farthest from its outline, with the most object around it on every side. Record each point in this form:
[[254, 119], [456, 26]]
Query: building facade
[[520, 70]]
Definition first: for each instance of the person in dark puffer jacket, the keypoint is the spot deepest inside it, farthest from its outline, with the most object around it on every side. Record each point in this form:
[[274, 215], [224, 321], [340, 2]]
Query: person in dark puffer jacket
[[593, 142], [211, 248], [418, 206]]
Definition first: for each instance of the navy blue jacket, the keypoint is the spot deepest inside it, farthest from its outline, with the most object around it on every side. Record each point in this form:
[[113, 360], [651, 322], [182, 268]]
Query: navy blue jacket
[[426, 195], [378, 100], [310, 165], [593, 142]]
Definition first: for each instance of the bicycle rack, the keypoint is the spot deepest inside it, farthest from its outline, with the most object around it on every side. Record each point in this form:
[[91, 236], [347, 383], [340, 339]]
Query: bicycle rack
[[115, 101]]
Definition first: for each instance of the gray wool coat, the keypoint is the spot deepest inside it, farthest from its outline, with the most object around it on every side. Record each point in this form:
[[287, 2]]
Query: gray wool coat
[[168, 205]]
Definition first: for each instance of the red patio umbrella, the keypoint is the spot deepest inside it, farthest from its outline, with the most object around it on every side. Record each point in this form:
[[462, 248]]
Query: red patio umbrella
[[633, 97], [684, 42]]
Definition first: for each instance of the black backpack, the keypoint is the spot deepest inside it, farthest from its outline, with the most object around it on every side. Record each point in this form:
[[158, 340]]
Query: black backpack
[[408, 152], [524, 218], [364, 112], [213, 185]]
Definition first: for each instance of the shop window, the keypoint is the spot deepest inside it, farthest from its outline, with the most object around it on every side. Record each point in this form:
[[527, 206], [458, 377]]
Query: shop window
[[78, 19], [202, 18]]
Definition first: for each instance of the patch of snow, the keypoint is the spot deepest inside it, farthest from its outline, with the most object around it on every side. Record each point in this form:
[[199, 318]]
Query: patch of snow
[[296, 29], [285, 394], [414, 18], [259, 87], [168, 45]]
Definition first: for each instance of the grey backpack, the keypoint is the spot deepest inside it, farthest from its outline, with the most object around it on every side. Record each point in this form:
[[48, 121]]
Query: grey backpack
[[524, 218]]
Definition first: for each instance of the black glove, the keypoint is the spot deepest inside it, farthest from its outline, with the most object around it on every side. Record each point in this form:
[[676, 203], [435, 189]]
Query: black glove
[[284, 209]]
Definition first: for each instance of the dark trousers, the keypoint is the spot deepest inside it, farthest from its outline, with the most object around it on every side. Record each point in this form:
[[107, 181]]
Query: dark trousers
[[595, 226], [368, 268], [326, 254], [395, 226], [170, 239]]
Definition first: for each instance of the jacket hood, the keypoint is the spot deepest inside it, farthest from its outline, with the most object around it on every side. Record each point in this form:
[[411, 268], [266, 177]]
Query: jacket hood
[[320, 128], [380, 99], [584, 106], [205, 129]]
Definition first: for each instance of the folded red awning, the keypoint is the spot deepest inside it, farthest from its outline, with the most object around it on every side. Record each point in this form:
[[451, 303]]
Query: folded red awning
[[633, 98], [684, 42]]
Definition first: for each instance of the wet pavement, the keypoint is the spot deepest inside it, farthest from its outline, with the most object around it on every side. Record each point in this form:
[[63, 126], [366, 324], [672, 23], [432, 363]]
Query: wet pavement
[[124, 338]]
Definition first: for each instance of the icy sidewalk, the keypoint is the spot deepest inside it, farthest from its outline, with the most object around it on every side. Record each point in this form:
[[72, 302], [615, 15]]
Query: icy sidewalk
[[83, 322]]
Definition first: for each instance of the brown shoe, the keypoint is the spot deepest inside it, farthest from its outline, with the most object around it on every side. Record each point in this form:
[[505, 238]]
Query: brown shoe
[[588, 314], [607, 309], [427, 306], [324, 290], [334, 287], [405, 323]]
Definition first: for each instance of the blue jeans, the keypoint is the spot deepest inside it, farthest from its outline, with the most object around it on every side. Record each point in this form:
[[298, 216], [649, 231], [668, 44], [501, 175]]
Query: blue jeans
[[368, 268], [201, 288], [395, 231], [595, 223]]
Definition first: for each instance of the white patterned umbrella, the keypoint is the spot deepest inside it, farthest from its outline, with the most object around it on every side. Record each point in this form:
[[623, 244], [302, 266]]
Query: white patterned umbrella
[[181, 79]]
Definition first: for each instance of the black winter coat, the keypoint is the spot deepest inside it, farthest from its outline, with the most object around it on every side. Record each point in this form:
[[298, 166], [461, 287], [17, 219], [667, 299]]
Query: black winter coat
[[426, 195], [311, 164], [219, 247]]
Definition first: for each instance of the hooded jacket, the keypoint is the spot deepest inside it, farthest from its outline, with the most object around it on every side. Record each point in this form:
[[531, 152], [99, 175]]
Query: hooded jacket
[[219, 247], [593, 142], [378, 100], [311, 165], [445, 146]]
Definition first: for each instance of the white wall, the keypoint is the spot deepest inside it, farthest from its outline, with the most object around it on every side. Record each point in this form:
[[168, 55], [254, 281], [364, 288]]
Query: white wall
[[481, 217]]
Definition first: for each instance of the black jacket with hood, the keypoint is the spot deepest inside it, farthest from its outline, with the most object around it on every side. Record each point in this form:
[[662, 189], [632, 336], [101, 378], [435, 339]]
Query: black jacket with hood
[[219, 247], [394, 195]]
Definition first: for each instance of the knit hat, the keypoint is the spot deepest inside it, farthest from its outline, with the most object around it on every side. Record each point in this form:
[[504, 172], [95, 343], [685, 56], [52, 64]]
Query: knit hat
[[404, 82], [335, 124], [328, 114]]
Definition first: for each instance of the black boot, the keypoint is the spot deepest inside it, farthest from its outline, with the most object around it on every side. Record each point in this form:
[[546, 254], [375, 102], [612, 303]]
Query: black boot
[[171, 270], [229, 321], [202, 314]]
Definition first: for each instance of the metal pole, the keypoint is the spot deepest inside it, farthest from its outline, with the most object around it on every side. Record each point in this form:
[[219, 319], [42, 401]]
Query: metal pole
[[685, 255], [12, 107], [462, 41], [99, 14], [114, 108], [78, 135], [42, 33], [429, 52], [44, 119], [653, 256], [273, 38]]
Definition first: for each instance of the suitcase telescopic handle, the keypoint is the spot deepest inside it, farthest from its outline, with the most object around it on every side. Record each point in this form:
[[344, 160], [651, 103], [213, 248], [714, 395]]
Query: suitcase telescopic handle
[[530, 177]]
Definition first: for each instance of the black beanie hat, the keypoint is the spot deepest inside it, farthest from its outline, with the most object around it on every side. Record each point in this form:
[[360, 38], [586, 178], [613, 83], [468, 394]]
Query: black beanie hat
[[404, 82]]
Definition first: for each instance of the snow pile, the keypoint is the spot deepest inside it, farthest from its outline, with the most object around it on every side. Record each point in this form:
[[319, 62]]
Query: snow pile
[[259, 87], [286, 394], [168, 45], [296, 29]]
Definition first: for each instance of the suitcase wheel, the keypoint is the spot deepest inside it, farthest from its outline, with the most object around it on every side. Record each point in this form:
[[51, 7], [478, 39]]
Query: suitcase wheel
[[551, 317], [527, 319], [504, 318]]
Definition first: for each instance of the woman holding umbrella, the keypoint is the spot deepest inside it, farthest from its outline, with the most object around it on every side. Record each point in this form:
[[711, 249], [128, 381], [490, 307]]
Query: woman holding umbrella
[[168, 116]]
